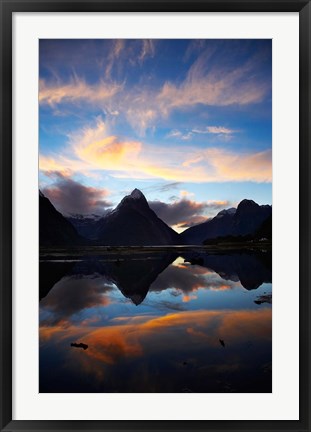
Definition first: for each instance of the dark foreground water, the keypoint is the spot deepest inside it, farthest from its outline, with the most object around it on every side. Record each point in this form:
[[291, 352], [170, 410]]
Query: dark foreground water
[[156, 322]]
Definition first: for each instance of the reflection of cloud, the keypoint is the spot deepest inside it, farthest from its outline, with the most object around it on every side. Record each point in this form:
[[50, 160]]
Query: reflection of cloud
[[72, 295], [187, 279], [188, 298], [109, 344], [71, 197], [132, 338], [95, 149]]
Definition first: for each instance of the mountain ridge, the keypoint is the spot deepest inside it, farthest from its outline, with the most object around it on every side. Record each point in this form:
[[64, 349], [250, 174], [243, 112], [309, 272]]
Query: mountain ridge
[[133, 223], [246, 219]]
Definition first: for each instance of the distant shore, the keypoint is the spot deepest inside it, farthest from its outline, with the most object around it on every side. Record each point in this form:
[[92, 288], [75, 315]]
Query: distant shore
[[84, 251]]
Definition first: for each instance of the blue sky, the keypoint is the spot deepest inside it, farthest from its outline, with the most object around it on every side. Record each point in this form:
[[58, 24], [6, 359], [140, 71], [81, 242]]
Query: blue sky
[[188, 122]]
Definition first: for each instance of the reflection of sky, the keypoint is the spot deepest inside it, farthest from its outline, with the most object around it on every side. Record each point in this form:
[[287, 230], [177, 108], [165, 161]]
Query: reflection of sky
[[180, 287], [175, 330]]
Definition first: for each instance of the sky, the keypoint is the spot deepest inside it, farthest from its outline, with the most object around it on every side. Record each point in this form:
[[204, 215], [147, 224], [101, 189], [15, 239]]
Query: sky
[[188, 122]]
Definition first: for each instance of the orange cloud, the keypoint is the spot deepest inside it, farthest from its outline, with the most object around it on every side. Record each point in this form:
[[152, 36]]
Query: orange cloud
[[241, 167], [95, 149]]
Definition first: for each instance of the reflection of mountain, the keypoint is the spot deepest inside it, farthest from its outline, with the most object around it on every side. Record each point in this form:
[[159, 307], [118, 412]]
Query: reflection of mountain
[[50, 273], [251, 269], [246, 219], [133, 277], [54, 229], [133, 222]]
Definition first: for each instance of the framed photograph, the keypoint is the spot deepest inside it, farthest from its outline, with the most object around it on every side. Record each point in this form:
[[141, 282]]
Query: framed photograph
[[155, 215]]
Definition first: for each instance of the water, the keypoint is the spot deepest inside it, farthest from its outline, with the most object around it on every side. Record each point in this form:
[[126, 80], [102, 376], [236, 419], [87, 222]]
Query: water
[[156, 322]]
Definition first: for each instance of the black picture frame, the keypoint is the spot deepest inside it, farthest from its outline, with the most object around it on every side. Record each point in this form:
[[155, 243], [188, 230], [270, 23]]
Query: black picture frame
[[7, 9]]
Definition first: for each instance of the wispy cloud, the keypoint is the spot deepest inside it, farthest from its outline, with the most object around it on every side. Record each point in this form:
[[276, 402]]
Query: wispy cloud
[[118, 46], [144, 105], [147, 50], [218, 86], [215, 130], [93, 148], [190, 133], [76, 90], [185, 136]]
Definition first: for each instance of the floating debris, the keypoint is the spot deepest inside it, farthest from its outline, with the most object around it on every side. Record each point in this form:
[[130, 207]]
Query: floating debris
[[264, 299], [79, 345]]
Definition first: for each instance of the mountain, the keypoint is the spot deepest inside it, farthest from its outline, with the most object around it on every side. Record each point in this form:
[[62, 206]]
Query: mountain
[[54, 229], [246, 219], [85, 224], [133, 223], [249, 217]]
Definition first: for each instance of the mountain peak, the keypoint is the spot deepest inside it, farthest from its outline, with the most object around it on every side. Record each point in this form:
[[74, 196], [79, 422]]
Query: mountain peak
[[136, 199], [133, 222], [248, 203], [137, 194], [230, 211]]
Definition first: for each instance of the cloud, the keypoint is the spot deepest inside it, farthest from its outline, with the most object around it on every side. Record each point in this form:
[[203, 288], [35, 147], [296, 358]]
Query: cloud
[[204, 84], [147, 49], [232, 166], [185, 213], [211, 80], [76, 90], [178, 134], [118, 46], [93, 148], [194, 220], [70, 197], [222, 130]]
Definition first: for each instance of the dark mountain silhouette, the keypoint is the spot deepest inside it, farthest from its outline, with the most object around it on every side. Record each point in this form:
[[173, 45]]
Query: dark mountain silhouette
[[54, 229], [249, 217], [133, 223], [265, 229], [263, 233], [85, 225], [246, 219]]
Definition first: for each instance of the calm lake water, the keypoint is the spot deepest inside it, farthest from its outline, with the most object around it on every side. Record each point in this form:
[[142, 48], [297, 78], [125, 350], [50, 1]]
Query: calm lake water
[[156, 322]]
